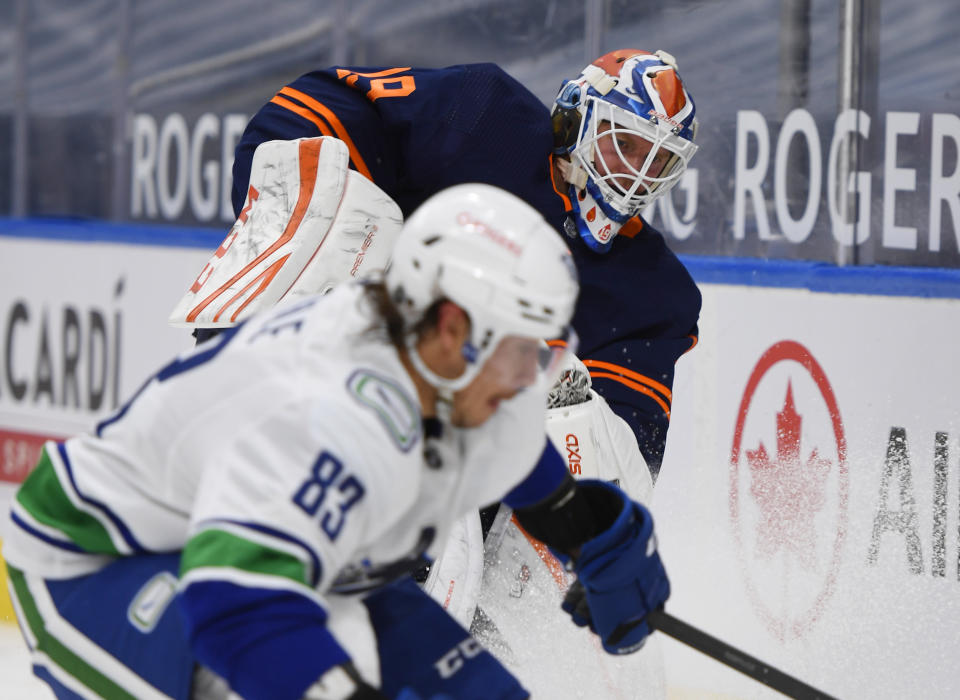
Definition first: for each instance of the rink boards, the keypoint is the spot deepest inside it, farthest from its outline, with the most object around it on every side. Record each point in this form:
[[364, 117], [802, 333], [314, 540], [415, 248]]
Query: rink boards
[[809, 504]]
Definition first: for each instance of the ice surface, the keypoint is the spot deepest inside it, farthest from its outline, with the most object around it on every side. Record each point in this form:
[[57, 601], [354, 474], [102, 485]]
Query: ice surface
[[17, 681]]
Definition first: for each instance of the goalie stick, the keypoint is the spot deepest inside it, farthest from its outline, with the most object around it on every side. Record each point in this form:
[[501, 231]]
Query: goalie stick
[[733, 657]]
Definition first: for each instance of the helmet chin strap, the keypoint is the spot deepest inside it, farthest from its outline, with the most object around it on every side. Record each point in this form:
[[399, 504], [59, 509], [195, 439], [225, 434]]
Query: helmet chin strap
[[445, 387], [573, 174]]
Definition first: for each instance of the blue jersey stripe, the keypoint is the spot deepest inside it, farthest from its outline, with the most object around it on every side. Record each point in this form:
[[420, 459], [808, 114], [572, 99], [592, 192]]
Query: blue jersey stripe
[[125, 531], [61, 544]]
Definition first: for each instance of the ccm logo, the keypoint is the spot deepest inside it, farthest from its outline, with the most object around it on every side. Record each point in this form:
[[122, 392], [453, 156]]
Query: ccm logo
[[573, 453], [453, 660]]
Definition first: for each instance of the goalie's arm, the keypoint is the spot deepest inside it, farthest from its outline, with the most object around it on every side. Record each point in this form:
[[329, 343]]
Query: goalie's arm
[[318, 104]]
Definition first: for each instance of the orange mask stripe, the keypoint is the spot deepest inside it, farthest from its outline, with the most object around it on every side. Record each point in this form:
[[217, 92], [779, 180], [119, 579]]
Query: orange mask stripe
[[613, 61], [633, 375], [305, 113], [309, 156], [636, 387], [671, 92], [341, 132]]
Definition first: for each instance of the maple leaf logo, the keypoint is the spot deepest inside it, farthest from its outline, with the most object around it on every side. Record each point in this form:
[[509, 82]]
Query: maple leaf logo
[[788, 491]]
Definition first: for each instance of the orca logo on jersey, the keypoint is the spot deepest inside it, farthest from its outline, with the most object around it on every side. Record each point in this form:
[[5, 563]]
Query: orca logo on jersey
[[398, 413], [150, 602]]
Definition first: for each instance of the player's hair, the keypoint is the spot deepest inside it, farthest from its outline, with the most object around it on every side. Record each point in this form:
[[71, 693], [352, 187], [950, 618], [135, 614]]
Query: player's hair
[[391, 321]]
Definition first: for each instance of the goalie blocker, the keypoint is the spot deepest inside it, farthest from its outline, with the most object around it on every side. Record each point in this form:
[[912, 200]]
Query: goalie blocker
[[309, 223]]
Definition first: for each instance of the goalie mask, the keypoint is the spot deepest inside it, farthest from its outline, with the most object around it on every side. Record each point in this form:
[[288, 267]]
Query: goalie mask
[[627, 126], [494, 256]]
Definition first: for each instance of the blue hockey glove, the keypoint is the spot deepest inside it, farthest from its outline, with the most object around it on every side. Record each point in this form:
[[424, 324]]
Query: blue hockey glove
[[620, 578]]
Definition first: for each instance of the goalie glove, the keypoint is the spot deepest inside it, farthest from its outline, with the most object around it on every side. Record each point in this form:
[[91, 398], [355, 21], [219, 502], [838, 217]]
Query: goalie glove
[[308, 224], [620, 578]]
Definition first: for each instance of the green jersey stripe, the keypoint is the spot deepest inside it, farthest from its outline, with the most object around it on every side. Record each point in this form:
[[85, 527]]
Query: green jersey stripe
[[216, 548], [45, 499], [60, 654]]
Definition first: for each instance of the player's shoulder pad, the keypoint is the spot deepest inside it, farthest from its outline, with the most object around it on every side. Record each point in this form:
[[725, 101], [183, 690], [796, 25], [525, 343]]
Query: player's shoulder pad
[[396, 410]]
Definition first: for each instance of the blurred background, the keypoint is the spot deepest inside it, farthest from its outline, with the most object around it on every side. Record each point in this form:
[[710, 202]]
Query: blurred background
[[829, 129]]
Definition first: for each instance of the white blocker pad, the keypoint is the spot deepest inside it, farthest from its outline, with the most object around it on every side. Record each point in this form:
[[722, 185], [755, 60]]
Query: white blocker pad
[[308, 224], [596, 443]]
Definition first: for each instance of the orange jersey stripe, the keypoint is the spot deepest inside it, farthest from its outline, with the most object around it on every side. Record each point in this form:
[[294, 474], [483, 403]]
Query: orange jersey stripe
[[631, 228], [305, 113], [636, 387], [693, 344], [309, 156], [567, 204], [632, 375], [331, 118]]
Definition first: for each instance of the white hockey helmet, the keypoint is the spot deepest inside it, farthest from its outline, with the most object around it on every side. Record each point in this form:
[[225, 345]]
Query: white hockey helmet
[[494, 256], [620, 96]]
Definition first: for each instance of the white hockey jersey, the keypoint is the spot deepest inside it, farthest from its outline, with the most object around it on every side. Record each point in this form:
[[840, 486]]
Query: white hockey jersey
[[297, 434]]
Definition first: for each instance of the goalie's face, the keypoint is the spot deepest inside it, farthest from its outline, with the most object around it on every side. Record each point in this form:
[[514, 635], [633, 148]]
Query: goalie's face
[[623, 157]]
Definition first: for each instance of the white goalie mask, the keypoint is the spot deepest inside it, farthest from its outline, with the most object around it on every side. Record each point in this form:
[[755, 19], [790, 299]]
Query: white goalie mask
[[494, 256], [627, 126]]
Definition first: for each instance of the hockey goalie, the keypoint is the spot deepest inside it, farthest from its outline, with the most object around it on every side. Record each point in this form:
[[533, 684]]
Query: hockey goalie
[[309, 223]]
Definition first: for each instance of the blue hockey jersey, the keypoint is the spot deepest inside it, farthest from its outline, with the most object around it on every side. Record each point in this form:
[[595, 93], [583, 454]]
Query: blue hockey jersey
[[416, 131]]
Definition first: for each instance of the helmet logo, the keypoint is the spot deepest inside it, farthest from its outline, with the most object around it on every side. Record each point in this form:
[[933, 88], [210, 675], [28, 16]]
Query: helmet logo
[[592, 214], [465, 219], [605, 234], [663, 117]]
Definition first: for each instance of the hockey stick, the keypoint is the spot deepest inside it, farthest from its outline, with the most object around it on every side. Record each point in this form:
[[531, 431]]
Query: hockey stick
[[733, 657]]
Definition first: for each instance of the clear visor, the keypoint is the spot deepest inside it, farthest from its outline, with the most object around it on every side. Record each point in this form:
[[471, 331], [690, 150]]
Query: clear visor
[[519, 362], [631, 158]]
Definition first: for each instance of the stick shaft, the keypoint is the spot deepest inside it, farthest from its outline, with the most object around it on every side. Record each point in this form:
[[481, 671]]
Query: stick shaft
[[733, 657]]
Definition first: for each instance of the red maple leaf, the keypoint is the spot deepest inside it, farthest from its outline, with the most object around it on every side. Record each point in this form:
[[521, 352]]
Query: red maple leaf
[[788, 492]]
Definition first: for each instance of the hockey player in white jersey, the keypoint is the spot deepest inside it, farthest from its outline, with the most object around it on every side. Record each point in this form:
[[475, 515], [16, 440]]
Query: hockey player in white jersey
[[286, 245], [280, 481]]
